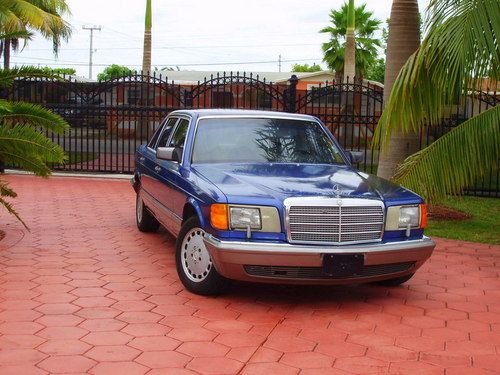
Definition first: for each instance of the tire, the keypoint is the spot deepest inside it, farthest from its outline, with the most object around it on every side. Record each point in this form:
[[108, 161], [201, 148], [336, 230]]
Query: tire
[[194, 264], [396, 281], [146, 222]]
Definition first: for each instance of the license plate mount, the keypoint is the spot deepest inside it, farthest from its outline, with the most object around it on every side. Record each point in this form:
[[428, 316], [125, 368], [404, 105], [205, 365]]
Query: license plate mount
[[342, 265]]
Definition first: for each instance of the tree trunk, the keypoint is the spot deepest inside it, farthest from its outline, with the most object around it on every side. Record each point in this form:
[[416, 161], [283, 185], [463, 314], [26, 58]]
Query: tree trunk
[[350, 45], [6, 54], [143, 127], [404, 40], [146, 56]]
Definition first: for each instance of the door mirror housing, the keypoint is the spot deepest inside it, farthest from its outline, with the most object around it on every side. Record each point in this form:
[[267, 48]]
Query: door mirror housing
[[165, 153], [355, 156], [169, 153]]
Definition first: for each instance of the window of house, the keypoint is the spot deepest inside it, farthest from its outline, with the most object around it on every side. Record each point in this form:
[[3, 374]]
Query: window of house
[[324, 95]]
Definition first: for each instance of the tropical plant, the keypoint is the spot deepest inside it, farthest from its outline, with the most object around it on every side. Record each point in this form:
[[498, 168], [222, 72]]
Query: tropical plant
[[350, 44], [114, 71], [376, 71], [366, 43], [22, 142], [306, 68], [460, 48], [27, 16]]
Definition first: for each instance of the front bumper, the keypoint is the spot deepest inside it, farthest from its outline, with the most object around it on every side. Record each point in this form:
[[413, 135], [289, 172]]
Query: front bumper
[[286, 263]]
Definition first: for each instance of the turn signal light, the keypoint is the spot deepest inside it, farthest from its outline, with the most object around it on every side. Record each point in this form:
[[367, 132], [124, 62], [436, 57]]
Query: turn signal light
[[218, 216], [423, 216]]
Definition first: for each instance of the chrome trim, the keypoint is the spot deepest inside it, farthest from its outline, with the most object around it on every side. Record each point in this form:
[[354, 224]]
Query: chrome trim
[[332, 201], [272, 115], [286, 248]]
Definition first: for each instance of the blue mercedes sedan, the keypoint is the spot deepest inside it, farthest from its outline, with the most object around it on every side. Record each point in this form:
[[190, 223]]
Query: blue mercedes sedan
[[272, 197]]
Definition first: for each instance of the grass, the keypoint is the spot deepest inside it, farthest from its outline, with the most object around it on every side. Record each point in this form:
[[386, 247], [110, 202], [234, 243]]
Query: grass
[[483, 226]]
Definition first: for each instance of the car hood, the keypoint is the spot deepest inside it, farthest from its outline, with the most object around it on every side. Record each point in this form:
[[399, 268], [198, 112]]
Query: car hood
[[279, 181]]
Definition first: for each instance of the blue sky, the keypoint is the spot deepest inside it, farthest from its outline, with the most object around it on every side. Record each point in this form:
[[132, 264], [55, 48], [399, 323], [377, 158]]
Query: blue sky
[[196, 35]]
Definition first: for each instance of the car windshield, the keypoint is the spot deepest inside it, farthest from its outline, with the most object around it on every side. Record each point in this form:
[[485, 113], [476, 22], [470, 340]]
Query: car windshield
[[263, 140]]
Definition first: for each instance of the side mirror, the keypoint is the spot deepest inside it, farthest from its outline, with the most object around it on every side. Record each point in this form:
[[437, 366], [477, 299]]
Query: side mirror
[[169, 153], [355, 156], [165, 153]]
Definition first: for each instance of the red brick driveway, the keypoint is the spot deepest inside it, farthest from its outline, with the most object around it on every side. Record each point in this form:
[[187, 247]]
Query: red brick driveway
[[85, 292]]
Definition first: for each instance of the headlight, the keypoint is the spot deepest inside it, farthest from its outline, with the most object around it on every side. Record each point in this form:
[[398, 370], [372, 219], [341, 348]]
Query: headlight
[[244, 217], [408, 216], [399, 217]]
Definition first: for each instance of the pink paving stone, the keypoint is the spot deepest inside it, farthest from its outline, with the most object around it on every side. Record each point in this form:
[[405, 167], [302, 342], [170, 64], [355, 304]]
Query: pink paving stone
[[192, 334], [153, 343], [21, 356], [161, 359], [22, 369], [306, 360], [102, 325], [60, 320], [64, 347], [66, 363], [146, 329], [107, 338], [119, 368], [19, 341], [215, 366], [203, 349], [112, 353], [269, 368]]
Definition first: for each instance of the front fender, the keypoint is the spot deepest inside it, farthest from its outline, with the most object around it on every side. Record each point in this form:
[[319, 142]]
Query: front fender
[[197, 209]]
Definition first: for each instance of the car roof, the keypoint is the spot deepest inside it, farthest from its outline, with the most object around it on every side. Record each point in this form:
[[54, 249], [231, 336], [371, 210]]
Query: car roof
[[240, 112]]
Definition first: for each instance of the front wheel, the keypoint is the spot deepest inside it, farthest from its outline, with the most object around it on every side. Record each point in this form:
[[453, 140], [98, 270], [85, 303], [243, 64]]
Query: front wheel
[[396, 281], [194, 263]]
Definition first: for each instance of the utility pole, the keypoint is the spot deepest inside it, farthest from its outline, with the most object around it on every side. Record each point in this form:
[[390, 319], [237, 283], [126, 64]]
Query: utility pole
[[91, 50], [279, 63]]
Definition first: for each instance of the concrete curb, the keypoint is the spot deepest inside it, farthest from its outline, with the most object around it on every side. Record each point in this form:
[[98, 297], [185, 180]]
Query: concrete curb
[[111, 176]]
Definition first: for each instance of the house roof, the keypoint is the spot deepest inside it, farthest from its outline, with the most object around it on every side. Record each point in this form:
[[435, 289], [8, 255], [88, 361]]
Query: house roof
[[195, 76]]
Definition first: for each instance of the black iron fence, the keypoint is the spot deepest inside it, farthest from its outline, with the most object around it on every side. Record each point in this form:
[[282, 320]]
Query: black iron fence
[[109, 120]]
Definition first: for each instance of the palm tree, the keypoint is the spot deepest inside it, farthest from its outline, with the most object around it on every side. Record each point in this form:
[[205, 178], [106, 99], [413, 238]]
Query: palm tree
[[350, 44], [26, 16], [21, 141], [366, 45], [403, 41], [146, 58], [460, 48]]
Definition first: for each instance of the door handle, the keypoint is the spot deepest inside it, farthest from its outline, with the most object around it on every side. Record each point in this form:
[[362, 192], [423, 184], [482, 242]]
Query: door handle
[[157, 168]]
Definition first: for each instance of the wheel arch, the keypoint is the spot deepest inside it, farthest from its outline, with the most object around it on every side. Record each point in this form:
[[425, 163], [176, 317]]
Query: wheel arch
[[192, 208]]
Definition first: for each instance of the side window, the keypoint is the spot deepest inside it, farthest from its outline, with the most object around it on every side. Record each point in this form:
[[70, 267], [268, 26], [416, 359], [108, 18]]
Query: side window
[[156, 135], [167, 130], [179, 137]]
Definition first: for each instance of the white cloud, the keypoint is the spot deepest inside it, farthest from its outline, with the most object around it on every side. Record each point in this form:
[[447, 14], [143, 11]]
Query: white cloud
[[196, 32]]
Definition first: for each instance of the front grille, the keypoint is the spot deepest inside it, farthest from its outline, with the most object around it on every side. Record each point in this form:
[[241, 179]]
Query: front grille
[[288, 272], [353, 221]]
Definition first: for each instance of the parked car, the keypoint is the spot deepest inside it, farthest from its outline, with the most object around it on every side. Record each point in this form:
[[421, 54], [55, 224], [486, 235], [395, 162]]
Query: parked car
[[272, 197]]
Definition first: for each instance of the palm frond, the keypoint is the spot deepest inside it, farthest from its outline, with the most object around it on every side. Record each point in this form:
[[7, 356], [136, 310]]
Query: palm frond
[[460, 47], [456, 160], [22, 145], [17, 34], [6, 191], [32, 114], [7, 76]]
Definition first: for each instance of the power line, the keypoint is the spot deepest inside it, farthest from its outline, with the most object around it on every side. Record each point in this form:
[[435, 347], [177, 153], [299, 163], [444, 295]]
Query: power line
[[174, 64]]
